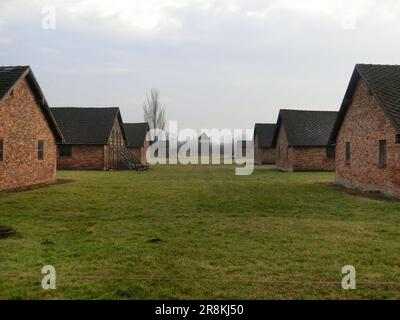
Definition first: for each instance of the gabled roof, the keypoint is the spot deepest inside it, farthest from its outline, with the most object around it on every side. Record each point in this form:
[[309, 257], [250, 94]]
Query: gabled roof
[[383, 82], [136, 134], [306, 128], [86, 126], [10, 78], [265, 133]]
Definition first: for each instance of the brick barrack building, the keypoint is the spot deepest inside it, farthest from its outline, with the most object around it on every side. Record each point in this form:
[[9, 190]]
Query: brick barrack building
[[28, 132], [302, 140], [264, 152], [137, 142], [92, 138], [367, 131]]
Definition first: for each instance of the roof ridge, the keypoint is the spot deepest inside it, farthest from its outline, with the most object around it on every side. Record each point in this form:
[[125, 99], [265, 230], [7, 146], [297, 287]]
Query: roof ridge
[[305, 110], [84, 108], [19, 66], [378, 65]]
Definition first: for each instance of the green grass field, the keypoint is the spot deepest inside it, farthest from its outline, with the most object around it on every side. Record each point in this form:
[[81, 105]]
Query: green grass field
[[270, 235]]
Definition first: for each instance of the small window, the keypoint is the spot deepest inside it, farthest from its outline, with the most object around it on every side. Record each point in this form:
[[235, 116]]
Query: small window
[[382, 153], [40, 150], [65, 150], [348, 153], [331, 152], [1, 150], [398, 138], [287, 153]]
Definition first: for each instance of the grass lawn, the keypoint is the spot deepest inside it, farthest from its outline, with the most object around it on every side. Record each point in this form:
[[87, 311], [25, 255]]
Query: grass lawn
[[270, 235]]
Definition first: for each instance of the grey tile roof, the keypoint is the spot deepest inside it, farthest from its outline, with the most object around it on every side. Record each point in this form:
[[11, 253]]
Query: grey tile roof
[[136, 134], [265, 133], [306, 128], [86, 126], [384, 83], [9, 78]]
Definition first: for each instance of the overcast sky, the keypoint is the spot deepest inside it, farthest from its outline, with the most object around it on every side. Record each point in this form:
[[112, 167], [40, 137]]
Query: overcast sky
[[217, 63]]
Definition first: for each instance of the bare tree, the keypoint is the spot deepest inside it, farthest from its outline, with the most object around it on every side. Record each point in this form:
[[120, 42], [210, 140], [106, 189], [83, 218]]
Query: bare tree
[[154, 112]]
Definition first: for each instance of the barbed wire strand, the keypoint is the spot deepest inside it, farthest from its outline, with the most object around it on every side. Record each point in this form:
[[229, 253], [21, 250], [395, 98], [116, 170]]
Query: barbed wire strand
[[198, 279]]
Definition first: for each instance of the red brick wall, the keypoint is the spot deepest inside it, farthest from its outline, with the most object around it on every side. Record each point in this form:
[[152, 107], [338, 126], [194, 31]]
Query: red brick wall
[[257, 151], [312, 159], [364, 125], [84, 158], [301, 158], [263, 155], [137, 153], [22, 124], [268, 156], [140, 153], [284, 155]]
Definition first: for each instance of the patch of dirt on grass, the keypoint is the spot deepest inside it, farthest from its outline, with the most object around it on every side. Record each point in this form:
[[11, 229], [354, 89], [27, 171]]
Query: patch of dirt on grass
[[6, 232], [366, 195], [155, 240], [47, 243]]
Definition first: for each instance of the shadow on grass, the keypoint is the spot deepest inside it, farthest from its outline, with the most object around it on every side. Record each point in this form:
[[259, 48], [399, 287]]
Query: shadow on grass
[[371, 195], [36, 186]]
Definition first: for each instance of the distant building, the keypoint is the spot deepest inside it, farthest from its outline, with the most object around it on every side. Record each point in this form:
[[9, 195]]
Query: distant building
[[242, 146], [93, 138], [302, 140], [367, 131], [137, 143], [204, 144], [28, 132], [264, 152]]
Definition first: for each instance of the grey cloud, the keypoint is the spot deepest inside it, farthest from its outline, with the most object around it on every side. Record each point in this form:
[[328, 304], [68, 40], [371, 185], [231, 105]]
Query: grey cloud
[[218, 70]]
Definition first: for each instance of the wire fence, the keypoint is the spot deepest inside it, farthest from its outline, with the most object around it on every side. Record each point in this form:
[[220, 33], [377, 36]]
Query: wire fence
[[367, 283]]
